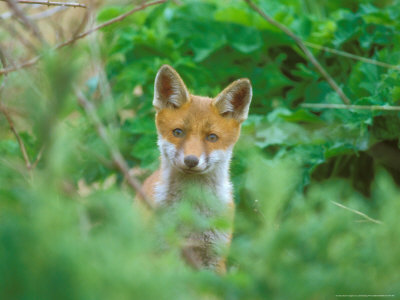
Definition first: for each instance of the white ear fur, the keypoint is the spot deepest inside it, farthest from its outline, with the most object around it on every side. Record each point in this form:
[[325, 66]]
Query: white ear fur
[[169, 89], [234, 100]]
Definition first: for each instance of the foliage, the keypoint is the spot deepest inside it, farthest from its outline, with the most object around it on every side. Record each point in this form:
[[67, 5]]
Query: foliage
[[68, 229]]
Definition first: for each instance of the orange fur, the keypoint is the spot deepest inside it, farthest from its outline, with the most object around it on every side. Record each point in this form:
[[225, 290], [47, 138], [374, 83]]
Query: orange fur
[[200, 118]]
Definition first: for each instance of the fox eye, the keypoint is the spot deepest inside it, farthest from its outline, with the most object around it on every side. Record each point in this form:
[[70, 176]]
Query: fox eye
[[178, 132], [212, 138]]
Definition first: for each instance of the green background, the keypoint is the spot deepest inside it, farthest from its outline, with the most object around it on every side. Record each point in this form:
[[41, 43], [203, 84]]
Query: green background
[[68, 229]]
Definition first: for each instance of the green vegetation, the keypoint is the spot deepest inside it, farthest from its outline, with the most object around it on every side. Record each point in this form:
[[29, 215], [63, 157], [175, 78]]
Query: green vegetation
[[68, 229]]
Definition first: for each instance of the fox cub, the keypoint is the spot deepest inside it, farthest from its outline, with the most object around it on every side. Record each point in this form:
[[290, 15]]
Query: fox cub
[[195, 137]]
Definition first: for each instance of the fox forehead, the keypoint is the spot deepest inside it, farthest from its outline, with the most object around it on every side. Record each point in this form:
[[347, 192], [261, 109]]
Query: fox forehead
[[198, 117]]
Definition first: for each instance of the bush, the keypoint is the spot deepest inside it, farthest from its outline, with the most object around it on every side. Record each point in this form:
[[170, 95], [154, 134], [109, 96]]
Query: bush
[[316, 190]]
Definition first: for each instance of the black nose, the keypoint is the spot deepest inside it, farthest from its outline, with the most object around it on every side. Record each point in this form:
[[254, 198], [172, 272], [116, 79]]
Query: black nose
[[191, 161]]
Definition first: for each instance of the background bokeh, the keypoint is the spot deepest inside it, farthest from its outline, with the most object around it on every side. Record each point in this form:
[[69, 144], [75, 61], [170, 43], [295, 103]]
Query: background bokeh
[[317, 190]]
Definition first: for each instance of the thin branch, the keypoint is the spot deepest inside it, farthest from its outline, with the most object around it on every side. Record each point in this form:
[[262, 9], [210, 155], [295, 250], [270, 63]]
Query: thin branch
[[82, 24], [112, 21], [357, 107], [17, 11], [16, 35], [82, 35], [116, 155], [25, 64], [51, 3], [17, 136], [38, 157], [303, 47], [357, 212], [3, 57], [3, 61], [352, 56], [58, 29], [47, 13]]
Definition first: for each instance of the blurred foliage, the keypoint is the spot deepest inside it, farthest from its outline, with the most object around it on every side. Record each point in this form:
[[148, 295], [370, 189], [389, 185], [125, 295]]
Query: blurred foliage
[[68, 229]]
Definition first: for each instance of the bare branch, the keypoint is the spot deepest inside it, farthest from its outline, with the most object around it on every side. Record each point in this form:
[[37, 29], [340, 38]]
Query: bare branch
[[357, 212], [357, 107], [303, 47], [37, 16], [47, 13], [112, 21], [116, 155], [38, 157], [353, 56], [16, 35], [3, 61], [17, 11], [82, 35], [82, 24], [25, 64], [17, 136], [51, 3]]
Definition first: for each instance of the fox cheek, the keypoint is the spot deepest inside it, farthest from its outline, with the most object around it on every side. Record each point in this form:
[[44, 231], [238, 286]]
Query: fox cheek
[[219, 156], [167, 149]]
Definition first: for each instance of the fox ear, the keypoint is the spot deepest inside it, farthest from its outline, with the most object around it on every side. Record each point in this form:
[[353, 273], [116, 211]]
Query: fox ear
[[234, 101], [169, 89]]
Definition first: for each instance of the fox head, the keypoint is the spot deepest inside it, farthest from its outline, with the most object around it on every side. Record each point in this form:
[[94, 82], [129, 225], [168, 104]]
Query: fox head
[[196, 134]]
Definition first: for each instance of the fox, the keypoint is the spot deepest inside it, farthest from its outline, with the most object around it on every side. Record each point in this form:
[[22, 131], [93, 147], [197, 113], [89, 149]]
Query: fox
[[196, 136]]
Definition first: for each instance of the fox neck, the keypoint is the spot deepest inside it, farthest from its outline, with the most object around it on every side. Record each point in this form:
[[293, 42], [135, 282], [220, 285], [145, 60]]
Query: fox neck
[[173, 181]]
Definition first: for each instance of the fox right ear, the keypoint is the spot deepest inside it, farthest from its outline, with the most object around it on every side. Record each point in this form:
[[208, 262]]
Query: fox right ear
[[234, 101], [169, 89]]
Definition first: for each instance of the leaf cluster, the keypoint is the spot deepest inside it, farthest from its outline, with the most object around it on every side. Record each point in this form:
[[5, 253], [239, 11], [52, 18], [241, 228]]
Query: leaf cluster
[[68, 229]]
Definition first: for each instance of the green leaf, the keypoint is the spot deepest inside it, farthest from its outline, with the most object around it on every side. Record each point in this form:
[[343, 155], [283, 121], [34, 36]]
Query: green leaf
[[386, 127], [244, 39], [109, 13], [301, 115]]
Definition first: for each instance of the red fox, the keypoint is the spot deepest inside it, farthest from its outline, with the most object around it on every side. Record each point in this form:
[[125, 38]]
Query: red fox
[[195, 137]]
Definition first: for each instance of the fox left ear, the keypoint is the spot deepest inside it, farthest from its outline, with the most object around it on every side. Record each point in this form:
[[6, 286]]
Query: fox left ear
[[234, 100], [169, 89]]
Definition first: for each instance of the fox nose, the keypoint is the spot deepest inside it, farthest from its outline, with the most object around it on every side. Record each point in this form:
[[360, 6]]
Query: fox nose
[[191, 161]]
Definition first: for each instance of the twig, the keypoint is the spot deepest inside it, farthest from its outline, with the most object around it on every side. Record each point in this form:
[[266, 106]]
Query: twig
[[58, 29], [17, 11], [82, 24], [38, 157], [357, 107], [16, 35], [357, 212], [2, 57], [51, 3], [25, 64], [352, 56], [112, 21], [17, 136], [303, 47], [82, 35], [47, 13], [4, 64], [116, 155]]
